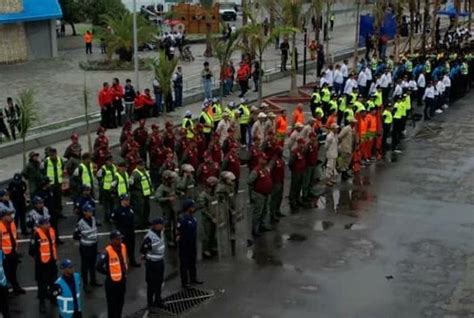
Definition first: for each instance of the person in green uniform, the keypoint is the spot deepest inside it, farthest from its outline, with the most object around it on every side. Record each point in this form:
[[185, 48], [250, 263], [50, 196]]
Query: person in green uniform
[[166, 197], [204, 205], [140, 190], [32, 173]]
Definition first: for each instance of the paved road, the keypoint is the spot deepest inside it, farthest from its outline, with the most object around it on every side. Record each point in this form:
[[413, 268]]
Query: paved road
[[408, 252]]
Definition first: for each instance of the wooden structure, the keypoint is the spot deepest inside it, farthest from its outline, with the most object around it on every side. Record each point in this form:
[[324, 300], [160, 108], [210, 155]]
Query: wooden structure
[[196, 18]]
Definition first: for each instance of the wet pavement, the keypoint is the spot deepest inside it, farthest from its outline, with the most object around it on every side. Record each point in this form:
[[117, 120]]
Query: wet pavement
[[396, 243]]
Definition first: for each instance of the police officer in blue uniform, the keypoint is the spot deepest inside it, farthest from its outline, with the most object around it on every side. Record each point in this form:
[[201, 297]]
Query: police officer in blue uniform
[[84, 199], [187, 243], [67, 291], [153, 251], [86, 233], [123, 217], [39, 211]]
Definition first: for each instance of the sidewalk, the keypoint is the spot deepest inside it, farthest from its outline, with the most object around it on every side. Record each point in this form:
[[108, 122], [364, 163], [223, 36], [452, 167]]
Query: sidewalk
[[59, 82], [13, 164]]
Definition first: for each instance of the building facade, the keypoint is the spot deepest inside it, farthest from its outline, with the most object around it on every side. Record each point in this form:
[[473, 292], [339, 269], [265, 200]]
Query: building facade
[[28, 30]]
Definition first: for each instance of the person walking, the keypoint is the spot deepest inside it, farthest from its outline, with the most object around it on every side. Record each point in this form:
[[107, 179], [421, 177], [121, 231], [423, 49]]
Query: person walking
[[43, 250], [67, 291], [153, 252], [86, 233], [284, 48], [123, 218], [13, 115], [113, 263], [88, 38], [17, 190], [187, 240], [8, 238], [140, 192]]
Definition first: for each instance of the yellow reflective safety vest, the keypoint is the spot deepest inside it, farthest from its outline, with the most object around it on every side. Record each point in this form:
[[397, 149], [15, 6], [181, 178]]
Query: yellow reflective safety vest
[[86, 174], [342, 104], [387, 117], [108, 176], [326, 95], [398, 110], [333, 105], [189, 128], [245, 117], [122, 183], [208, 119], [378, 99], [349, 113], [54, 170], [217, 110], [145, 182]]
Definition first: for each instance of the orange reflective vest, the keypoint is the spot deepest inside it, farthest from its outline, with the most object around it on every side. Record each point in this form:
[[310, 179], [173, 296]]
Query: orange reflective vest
[[88, 37], [281, 125], [372, 124], [363, 125], [46, 244], [298, 117], [7, 244], [115, 269]]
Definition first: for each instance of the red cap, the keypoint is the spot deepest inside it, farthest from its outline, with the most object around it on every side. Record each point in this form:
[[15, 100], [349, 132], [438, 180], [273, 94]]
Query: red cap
[[301, 140], [74, 136], [263, 156], [312, 135], [168, 124], [155, 126], [142, 122], [207, 154], [100, 130]]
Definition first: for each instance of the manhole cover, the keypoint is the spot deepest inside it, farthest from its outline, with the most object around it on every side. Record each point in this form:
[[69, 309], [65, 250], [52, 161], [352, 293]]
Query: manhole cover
[[184, 300]]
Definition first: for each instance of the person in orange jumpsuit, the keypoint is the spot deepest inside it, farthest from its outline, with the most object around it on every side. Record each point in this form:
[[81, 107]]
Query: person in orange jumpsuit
[[371, 133], [363, 126], [298, 115], [281, 127]]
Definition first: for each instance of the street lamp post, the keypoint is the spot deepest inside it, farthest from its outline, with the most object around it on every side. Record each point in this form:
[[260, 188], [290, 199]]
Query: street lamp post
[[304, 54], [135, 45]]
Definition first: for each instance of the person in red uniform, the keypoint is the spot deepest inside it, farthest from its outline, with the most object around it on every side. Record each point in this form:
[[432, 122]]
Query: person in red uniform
[[232, 163], [169, 138], [255, 153], [139, 106], [260, 183], [101, 155], [126, 128], [181, 144], [117, 105], [101, 140], [312, 157], [148, 102], [105, 99], [132, 158], [140, 134], [190, 155], [215, 148], [201, 142], [277, 165], [229, 140], [297, 165], [169, 163], [270, 144], [243, 75], [208, 168]]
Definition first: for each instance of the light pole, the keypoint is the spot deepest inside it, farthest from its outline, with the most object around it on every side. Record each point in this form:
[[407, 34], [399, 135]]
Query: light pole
[[135, 46], [304, 54]]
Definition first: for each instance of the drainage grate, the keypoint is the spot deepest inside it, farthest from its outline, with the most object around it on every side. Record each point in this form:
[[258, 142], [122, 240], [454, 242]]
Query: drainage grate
[[184, 300]]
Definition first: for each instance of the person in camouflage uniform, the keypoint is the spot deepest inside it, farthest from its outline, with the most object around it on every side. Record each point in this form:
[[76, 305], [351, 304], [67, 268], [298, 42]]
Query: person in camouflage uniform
[[166, 197], [208, 215]]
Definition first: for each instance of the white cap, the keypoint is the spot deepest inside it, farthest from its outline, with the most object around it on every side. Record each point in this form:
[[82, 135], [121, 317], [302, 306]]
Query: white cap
[[231, 104], [243, 100], [188, 113], [262, 115]]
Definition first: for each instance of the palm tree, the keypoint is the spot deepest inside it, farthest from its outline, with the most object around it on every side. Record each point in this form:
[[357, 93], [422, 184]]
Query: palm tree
[[379, 10], [164, 69], [119, 34], [258, 42], [28, 115], [426, 14], [207, 6], [399, 10], [329, 4], [436, 8], [316, 8], [223, 51]]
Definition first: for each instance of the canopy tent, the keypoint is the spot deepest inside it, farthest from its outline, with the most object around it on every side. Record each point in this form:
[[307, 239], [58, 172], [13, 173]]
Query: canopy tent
[[33, 10]]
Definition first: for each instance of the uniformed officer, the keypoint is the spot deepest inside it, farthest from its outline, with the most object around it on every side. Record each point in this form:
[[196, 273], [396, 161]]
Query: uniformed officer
[[38, 211], [278, 179], [47, 195], [225, 191], [123, 218], [260, 182], [185, 183], [208, 215], [187, 239], [43, 250], [82, 200], [121, 180], [86, 233], [67, 291], [207, 169], [140, 192], [4, 309], [113, 263], [166, 197], [141, 135], [106, 175], [53, 168], [153, 251], [387, 119], [297, 164], [85, 173], [312, 161], [8, 238]]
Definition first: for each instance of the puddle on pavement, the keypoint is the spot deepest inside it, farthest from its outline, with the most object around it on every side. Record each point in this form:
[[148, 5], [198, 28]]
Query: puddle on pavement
[[322, 225]]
